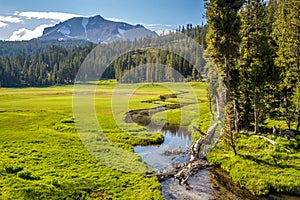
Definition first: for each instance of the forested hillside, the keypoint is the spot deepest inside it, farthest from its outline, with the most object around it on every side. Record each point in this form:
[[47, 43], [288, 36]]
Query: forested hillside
[[14, 48], [256, 49], [254, 46], [40, 63]]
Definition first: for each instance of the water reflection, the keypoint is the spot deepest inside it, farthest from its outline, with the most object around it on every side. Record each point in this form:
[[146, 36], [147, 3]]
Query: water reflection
[[154, 155], [205, 187]]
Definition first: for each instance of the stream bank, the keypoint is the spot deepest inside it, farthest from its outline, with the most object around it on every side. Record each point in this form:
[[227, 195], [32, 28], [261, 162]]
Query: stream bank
[[205, 184], [173, 151]]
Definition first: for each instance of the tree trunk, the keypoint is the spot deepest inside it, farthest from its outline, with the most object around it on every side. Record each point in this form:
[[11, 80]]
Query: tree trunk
[[236, 117], [210, 107], [232, 144], [256, 121], [227, 79], [218, 109], [287, 112], [228, 99]]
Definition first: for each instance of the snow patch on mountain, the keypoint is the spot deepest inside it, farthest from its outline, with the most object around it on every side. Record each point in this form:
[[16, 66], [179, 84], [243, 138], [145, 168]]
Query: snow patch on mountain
[[131, 35], [84, 23], [95, 29], [64, 30], [121, 31]]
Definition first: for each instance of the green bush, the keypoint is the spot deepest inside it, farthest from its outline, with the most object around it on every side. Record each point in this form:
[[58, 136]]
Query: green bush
[[13, 169], [27, 176]]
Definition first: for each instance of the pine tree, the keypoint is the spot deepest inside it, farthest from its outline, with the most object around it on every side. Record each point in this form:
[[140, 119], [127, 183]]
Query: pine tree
[[223, 42], [255, 63], [286, 33]]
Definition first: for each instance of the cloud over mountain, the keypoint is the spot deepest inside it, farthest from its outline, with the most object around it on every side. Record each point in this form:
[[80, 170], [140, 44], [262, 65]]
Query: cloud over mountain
[[25, 25], [26, 34], [60, 16]]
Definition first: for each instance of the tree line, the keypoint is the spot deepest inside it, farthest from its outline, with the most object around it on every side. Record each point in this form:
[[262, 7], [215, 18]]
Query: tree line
[[56, 65], [255, 46], [34, 46], [38, 63]]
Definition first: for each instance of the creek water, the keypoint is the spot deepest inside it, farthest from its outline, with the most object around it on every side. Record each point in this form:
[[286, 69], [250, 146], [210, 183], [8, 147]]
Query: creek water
[[204, 184], [173, 151]]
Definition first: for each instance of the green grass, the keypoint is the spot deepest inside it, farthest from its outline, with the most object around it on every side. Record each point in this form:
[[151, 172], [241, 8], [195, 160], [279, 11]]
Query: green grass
[[261, 167], [43, 157], [195, 110]]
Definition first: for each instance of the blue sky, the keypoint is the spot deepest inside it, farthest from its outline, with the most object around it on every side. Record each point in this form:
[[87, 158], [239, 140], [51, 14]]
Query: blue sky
[[24, 19]]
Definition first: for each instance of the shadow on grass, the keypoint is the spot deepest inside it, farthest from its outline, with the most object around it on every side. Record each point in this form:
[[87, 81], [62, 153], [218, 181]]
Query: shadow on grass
[[273, 163]]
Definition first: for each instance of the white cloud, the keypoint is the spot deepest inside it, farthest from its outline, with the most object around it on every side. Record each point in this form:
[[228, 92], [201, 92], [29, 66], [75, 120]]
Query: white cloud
[[162, 31], [10, 19], [47, 15], [115, 19], [159, 25], [153, 25], [26, 34], [4, 20], [2, 24]]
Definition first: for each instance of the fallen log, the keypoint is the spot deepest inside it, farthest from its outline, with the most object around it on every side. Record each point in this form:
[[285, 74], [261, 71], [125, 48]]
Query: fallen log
[[194, 150], [265, 138], [182, 172], [270, 141]]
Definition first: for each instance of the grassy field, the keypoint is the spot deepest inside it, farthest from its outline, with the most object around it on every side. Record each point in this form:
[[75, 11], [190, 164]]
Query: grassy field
[[43, 157], [261, 167]]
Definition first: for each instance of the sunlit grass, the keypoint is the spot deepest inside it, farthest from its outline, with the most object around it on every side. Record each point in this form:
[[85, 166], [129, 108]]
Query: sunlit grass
[[260, 166], [43, 157]]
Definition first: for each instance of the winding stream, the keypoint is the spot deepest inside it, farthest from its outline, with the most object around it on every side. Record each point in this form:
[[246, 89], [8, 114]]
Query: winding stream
[[172, 152], [204, 185]]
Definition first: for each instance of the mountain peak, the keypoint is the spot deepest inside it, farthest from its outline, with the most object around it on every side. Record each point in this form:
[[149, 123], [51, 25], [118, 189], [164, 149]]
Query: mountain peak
[[97, 17], [95, 29]]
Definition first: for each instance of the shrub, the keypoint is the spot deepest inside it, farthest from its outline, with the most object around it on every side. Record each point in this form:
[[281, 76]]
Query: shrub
[[13, 169], [28, 176]]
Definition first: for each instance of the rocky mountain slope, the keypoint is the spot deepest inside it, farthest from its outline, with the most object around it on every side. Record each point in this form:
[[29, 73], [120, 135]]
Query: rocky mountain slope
[[95, 29]]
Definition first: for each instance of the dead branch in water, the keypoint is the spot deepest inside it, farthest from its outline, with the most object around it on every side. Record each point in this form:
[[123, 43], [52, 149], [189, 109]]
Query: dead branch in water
[[173, 152], [183, 171]]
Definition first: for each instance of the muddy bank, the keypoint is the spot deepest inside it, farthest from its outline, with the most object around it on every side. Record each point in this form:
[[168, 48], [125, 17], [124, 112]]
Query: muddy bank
[[223, 178], [143, 116]]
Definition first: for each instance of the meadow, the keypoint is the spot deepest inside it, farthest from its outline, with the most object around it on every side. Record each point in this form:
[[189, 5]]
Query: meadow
[[43, 157], [261, 167]]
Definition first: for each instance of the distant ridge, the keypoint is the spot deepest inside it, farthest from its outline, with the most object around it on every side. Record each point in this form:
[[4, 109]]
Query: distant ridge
[[95, 29]]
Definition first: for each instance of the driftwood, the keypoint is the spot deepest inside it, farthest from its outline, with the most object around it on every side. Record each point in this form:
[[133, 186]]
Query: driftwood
[[194, 150], [182, 172], [173, 152], [270, 141], [265, 138]]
